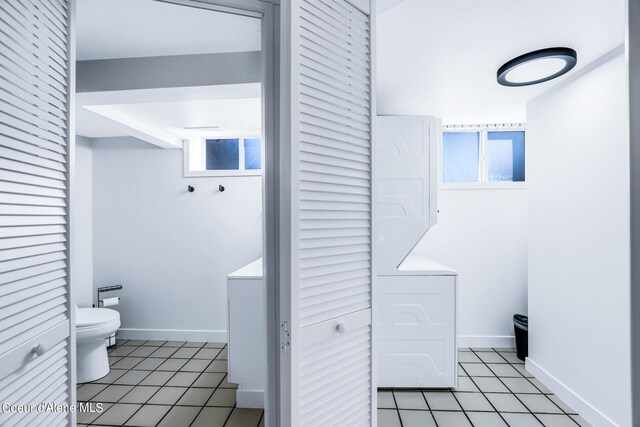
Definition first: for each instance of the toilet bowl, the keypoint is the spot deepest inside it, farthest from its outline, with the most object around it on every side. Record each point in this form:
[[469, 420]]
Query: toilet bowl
[[93, 327]]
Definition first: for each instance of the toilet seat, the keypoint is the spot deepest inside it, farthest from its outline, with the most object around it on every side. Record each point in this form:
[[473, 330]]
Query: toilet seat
[[96, 323], [91, 317]]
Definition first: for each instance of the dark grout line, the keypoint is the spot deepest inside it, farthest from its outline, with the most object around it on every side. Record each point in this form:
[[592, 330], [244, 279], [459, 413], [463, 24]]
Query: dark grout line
[[229, 416], [149, 372], [484, 394], [463, 410], [395, 401], [514, 394], [188, 387]]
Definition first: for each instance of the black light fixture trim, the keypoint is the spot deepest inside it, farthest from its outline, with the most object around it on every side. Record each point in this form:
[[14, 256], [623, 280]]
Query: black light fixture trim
[[567, 54]]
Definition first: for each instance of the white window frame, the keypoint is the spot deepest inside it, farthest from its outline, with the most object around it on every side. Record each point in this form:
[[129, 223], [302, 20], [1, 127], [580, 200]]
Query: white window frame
[[482, 183], [228, 172]]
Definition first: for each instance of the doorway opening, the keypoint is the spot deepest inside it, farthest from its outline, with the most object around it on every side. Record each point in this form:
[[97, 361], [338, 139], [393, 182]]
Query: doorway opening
[[171, 194]]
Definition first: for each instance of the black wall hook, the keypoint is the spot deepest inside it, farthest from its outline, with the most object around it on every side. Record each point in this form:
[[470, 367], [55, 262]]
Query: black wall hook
[[221, 188], [191, 189]]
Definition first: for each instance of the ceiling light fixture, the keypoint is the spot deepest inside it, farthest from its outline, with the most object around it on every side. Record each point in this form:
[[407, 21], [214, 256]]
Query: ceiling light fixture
[[537, 67]]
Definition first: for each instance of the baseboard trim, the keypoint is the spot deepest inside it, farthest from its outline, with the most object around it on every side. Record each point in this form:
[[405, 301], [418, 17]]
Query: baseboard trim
[[172, 335], [568, 396], [480, 341], [249, 398]]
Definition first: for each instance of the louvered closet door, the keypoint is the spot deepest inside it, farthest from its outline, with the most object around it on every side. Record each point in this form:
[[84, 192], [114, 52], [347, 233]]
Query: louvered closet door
[[334, 213], [34, 304]]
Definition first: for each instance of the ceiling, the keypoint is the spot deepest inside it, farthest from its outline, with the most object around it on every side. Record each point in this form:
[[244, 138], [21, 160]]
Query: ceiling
[[221, 109], [110, 29], [434, 57], [440, 57]]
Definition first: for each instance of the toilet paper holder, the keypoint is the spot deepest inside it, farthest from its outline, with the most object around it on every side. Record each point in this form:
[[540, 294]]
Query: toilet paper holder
[[107, 289], [111, 341]]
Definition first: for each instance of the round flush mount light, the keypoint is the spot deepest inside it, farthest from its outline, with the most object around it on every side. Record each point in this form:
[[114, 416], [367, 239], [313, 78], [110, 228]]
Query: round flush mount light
[[537, 67]]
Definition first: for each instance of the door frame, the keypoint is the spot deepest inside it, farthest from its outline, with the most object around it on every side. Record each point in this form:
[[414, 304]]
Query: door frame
[[71, 171], [269, 13], [632, 47]]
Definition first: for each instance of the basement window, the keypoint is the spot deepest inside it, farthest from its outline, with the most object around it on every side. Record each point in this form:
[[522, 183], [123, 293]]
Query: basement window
[[488, 157], [223, 156]]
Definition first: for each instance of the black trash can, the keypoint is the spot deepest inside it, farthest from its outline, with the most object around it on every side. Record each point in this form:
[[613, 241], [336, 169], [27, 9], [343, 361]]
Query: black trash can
[[521, 329]]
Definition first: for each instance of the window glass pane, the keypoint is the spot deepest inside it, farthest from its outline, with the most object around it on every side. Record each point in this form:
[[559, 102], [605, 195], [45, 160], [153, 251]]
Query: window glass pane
[[505, 156], [223, 154], [460, 156], [252, 154]]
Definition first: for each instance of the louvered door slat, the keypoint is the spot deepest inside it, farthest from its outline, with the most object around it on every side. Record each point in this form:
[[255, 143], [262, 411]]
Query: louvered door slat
[[320, 187], [32, 281], [26, 220], [12, 187], [12, 276], [14, 154], [53, 22], [42, 101], [24, 129], [337, 21], [15, 84], [32, 108], [31, 210], [16, 108], [23, 242], [350, 111], [15, 42], [21, 45], [356, 121], [339, 48], [314, 23], [34, 290], [30, 144], [334, 285], [29, 72], [35, 179], [331, 133], [18, 166], [31, 231]]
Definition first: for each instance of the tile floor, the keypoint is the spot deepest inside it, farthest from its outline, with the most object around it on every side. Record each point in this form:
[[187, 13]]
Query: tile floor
[[494, 391], [166, 384], [184, 384]]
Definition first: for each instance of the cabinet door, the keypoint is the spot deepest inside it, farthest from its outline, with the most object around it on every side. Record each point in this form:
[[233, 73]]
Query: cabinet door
[[330, 136], [35, 326]]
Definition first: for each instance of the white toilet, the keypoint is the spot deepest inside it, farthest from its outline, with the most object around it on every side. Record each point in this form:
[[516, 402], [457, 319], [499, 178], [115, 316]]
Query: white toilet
[[93, 327]]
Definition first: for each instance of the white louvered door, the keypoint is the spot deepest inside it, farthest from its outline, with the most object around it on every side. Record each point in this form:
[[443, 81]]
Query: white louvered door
[[35, 346], [331, 144]]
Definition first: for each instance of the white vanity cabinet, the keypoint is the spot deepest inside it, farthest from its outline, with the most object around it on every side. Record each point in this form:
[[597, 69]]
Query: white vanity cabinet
[[416, 328], [247, 334]]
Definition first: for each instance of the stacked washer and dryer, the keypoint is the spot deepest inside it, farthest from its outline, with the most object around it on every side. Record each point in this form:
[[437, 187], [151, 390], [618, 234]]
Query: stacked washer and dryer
[[415, 310]]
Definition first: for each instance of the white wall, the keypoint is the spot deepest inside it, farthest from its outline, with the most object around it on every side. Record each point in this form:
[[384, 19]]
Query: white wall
[[82, 224], [482, 235], [171, 249], [579, 337]]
